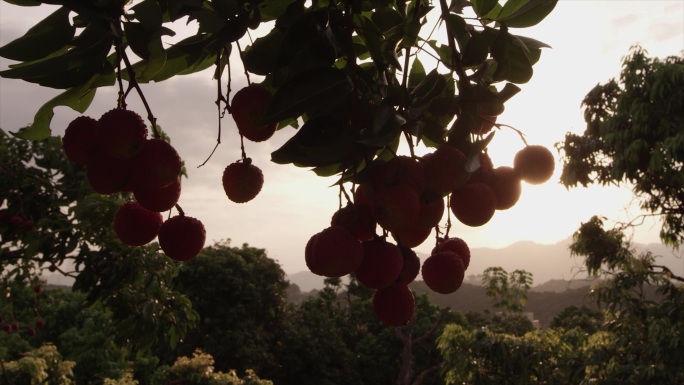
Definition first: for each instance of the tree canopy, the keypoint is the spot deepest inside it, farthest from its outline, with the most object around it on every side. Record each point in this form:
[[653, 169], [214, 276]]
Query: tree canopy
[[635, 135]]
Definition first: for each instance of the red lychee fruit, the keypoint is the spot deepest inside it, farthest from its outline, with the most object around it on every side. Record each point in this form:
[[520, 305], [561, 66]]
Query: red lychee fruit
[[364, 194], [156, 165], [14, 326], [410, 266], [381, 265], [108, 175], [31, 332], [335, 252], [535, 164], [356, 218], [26, 225], [309, 256], [135, 225], [396, 207], [7, 328], [455, 245], [473, 204], [443, 272], [412, 235], [444, 169], [121, 133], [505, 182], [16, 220], [80, 139], [248, 107], [182, 237], [159, 199], [242, 181], [431, 211], [485, 167], [400, 170], [40, 323], [37, 289], [394, 305]]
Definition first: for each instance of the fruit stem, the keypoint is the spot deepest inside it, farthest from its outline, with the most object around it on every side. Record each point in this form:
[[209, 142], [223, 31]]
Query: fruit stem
[[219, 98], [522, 135], [134, 83], [180, 210], [243, 62]]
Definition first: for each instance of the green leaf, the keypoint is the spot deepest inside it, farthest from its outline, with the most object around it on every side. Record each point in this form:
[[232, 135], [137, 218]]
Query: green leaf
[[459, 28], [149, 14], [508, 92], [416, 74], [308, 91], [48, 36], [78, 99], [530, 13], [272, 9], [260, 57], [477, 49], [529, 43], [24, 3], [483, 7], [188, 56], [322, 141], [147, 45], [511, 7]]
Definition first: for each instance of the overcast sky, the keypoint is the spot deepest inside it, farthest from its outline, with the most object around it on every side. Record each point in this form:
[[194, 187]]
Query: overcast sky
[[589, 39]]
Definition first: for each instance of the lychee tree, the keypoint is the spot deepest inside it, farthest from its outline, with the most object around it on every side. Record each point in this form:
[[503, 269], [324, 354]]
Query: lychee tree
[[361, 80]]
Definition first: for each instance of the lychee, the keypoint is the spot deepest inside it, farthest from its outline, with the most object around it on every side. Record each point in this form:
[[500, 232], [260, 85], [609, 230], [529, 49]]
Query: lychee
[[394, 305], [358, 219], [182, 237], [396, 207], [135, 225], [242, 181], [108, 175], [121, 133], [505, 181], [535, 164], [248, 107], [444, 169], [410, 266], [473, 204], [80, 139], [156, 165], [455, 245], [381, 265], [335, 252], [443, 272], [159, 199]]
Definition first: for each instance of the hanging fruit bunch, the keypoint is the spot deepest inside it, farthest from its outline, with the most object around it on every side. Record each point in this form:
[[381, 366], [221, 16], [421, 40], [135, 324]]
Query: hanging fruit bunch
[[364, 82]]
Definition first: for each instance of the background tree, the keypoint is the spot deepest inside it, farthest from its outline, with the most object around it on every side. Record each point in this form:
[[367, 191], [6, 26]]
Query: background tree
[[239, 294], [507, 291], [635, 135]]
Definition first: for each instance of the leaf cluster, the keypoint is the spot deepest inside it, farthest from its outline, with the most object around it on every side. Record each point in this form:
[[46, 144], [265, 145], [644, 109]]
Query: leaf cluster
[[635, 135]]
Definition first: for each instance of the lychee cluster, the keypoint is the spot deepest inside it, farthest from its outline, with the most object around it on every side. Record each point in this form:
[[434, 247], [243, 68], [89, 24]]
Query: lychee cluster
[[492, 188], [119, 157], [405, 197]]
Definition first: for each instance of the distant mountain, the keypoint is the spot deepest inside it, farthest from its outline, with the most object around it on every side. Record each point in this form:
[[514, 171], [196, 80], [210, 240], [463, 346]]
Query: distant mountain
[[552, 266]]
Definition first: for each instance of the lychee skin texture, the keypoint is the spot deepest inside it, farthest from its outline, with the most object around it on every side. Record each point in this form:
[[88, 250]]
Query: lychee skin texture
[[410, 266], [309, 257], [473, 204], [182, 237], [108, 175], [396, 207], [161, 199], [248, 107], [505, 181], [394, 305], [336, 252], [444, 169], [535, 164], [455, 245], [411, 235], [156, 165], [242, 181], [135, 225], [80, 139], [443, 272], [381, 265], [358, 219], [122, 133]]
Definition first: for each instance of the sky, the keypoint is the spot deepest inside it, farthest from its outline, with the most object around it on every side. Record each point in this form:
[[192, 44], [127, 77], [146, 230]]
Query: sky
[[588, 39]]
